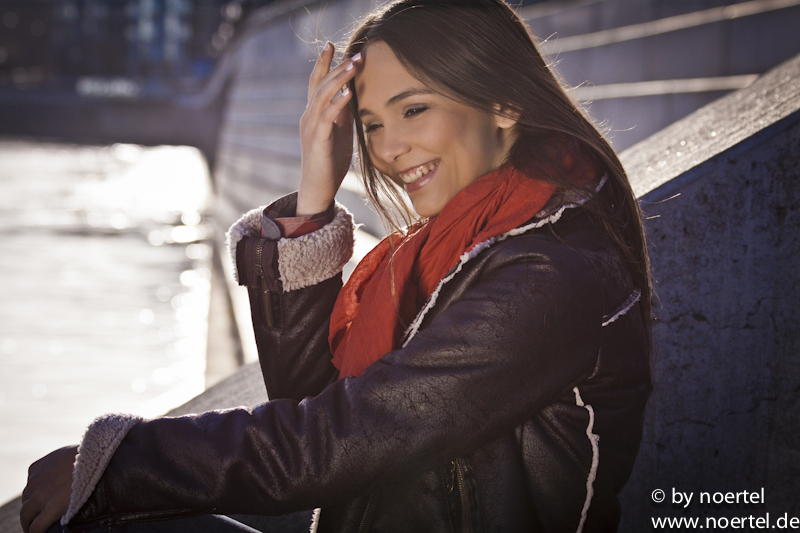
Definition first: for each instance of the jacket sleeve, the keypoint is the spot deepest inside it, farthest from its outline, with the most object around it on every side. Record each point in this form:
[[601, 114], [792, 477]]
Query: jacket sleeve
[[517, 338], [292, 285]]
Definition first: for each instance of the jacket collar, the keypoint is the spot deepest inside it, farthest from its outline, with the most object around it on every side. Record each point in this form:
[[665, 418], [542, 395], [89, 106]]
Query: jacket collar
[[549, 214]]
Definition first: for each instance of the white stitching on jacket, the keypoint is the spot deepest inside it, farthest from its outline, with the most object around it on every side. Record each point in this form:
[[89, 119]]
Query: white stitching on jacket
[[315, 520], [594, 440], [626, 306]]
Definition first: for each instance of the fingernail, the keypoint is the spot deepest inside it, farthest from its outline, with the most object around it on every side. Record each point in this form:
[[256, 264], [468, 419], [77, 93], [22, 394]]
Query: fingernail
[[328, 46], [346, 91], [356, 57], [349, 67]]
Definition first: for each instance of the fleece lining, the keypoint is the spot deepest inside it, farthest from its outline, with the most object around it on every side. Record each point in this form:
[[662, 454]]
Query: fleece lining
[[99, 443], [306, 260]]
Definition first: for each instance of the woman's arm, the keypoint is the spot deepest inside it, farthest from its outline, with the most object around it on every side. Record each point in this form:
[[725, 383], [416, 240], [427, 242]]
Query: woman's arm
[[293, 284], [516, 339], [291, 314]]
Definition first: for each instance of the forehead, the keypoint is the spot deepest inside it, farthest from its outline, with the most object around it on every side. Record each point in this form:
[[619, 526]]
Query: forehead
[[381, 77]]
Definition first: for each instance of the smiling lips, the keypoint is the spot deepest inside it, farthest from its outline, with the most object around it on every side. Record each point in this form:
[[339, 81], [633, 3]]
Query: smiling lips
[[417, 173]]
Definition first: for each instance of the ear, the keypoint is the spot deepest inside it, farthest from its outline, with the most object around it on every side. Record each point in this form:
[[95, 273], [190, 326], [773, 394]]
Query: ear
[[504, 117]]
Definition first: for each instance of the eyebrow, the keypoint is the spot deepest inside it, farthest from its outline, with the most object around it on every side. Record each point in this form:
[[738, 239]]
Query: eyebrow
[[396, 98]]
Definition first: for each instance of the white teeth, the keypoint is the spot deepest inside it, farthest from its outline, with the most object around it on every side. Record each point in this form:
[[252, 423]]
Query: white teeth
[[411, 177]]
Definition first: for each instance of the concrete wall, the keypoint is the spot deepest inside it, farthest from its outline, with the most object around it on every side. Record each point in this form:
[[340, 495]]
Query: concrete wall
[[725, 258], [749, 44]]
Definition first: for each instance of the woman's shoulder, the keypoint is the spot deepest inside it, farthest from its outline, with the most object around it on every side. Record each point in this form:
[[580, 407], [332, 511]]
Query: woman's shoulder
[[564, 215], [567, 228], [570, 242]]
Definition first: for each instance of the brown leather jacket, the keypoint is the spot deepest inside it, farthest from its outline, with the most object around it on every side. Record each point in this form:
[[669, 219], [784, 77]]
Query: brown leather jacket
[[515, 404]]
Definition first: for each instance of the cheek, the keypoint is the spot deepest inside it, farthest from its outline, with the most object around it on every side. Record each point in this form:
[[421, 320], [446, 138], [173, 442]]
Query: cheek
[[380, 165], [373, 149], [459, 135], [436, 135], [457, 143]]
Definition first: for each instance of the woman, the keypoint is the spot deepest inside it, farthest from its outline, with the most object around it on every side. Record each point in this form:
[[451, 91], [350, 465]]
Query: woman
[[484, 370]]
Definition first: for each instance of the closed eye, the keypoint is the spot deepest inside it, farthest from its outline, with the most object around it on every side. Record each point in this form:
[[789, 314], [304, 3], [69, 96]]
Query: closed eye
[[414, 111], [408, 113]]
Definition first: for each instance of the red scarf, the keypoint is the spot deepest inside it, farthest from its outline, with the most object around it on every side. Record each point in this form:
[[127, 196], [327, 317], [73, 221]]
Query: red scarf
[[364, 323]]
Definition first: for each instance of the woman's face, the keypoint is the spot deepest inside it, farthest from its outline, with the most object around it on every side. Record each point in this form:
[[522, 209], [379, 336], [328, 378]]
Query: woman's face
[[429, 144]]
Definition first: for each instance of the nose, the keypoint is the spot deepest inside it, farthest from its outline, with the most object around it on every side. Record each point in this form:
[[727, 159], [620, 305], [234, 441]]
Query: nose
[[392, 144]]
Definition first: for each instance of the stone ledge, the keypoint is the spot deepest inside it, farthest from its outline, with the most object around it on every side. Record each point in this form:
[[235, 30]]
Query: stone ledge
[[244, 387], [680, 153]]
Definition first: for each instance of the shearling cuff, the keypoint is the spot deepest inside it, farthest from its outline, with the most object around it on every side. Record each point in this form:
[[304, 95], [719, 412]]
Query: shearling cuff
[[247, 226], [99, 443], [319, 255], [306, 260]]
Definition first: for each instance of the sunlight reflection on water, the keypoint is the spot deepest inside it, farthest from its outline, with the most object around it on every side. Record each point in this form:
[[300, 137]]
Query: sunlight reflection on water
[[105, 262]]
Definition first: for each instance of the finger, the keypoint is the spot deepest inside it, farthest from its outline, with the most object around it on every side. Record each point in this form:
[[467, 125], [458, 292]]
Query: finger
[[328, 88], [34, 466], [341, 74], [345, 116], [27, 513], [42, 523], [48, 515], [322, 66], [331, 113]]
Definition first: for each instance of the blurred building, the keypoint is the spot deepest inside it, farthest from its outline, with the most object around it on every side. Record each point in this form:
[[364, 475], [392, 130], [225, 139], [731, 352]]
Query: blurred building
[[150, 47], [159, 71], [112, 48], [82, 70]]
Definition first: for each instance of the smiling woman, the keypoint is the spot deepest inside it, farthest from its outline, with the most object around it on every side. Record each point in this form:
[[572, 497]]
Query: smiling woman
[[484, 368], [426, 142]]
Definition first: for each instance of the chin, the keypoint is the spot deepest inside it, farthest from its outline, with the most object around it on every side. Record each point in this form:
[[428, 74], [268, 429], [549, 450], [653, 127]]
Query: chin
[[427, 211]]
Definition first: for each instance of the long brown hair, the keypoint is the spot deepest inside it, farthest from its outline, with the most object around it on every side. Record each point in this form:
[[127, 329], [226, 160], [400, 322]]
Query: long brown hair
[[480, 53]]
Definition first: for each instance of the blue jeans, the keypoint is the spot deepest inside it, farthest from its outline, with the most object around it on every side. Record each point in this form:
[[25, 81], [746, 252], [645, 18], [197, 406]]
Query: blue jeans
[[294, 523]]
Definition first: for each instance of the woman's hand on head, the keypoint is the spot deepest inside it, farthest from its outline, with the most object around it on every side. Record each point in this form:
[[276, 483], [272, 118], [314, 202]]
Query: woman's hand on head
[[326, 133], [46, 497]]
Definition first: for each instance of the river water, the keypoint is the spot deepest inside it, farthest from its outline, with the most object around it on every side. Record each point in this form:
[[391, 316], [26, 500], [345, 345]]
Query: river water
[[105, 275]]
